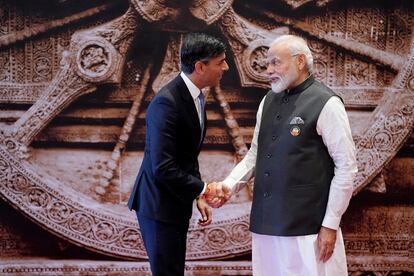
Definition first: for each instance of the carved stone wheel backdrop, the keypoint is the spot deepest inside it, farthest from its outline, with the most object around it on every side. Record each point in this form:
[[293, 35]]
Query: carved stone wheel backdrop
[[97, 56]]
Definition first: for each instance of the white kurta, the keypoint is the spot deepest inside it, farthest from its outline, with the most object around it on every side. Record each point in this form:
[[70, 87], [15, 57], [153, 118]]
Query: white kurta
[[273, 255]]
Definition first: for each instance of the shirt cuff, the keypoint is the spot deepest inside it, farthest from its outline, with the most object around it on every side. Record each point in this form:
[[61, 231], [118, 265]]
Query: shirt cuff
[[331, 222], [231, 184], [204, 189]]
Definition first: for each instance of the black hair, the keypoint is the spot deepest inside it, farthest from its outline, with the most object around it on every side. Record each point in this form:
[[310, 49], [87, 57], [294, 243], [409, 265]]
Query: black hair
[[199, 46]]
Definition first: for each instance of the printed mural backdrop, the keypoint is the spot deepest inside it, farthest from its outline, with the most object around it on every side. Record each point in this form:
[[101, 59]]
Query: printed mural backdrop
[[77, 76]]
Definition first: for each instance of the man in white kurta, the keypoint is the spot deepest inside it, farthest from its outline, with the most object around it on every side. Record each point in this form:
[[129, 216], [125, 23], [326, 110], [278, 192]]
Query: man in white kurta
[[323, 253]]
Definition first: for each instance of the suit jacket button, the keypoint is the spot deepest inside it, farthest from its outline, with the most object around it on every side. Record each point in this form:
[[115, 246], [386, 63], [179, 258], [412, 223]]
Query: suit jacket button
[[267, 174], [268, 155]]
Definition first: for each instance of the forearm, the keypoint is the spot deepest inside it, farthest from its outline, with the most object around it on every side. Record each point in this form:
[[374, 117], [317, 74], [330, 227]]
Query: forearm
[[340, 194], [243, 171], [240, 174]]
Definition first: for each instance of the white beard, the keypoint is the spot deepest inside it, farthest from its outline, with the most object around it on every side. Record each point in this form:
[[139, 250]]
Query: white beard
[[284, 81], [279, 86]]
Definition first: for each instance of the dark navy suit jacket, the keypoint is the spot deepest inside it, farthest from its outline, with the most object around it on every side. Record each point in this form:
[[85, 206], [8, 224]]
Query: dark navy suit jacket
[[169, 178]]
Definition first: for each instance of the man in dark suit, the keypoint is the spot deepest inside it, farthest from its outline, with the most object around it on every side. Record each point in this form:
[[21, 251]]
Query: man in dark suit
[[169, 178]]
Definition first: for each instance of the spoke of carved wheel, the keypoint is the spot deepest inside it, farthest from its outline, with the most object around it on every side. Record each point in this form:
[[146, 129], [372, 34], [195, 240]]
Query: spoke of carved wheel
[[171, 65], [231, 123], [233, 128], [371, 53], [28, 33], [112, 166], [96, 56], [390, 127], [65, 88], [298, 3]]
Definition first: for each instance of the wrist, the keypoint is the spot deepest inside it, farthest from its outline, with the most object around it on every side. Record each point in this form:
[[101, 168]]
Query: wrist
[[207, 190]]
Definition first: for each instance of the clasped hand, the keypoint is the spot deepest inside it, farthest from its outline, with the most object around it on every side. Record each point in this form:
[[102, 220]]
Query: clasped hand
[[216, 194]]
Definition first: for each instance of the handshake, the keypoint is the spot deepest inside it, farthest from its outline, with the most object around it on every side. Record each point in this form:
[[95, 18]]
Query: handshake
[[216, 194]]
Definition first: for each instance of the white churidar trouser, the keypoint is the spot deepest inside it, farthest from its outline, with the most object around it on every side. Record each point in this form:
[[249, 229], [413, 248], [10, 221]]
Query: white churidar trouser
[[295, 256]]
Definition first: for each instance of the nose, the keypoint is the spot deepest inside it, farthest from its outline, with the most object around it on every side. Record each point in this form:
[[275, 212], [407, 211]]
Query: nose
[[269, 69], [225, 66]]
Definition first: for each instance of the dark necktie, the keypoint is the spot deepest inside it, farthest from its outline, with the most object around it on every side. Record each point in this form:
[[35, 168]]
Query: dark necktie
[[202, 104]]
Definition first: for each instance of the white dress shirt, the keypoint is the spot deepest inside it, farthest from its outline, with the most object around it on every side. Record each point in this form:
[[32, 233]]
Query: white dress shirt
[[194, 91]]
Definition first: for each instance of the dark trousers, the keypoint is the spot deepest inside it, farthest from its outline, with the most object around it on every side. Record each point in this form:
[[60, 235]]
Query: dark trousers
[[165, 244]]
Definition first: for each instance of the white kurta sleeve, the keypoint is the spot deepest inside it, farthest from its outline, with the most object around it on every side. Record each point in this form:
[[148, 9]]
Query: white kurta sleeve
[[333, 126], [243, 171]]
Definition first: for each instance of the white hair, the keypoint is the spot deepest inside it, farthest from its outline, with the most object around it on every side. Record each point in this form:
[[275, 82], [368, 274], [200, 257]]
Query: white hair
[[296, 45]]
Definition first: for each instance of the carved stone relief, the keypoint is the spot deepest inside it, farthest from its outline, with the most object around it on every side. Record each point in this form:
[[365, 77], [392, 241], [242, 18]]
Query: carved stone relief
[[368, 62]]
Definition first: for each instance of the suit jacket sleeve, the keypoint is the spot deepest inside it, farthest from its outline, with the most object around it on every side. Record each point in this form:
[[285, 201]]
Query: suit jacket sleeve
[[162, 119]]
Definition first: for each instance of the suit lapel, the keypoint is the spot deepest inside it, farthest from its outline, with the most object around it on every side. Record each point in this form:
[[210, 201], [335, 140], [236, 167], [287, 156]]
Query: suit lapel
[[189, 106]]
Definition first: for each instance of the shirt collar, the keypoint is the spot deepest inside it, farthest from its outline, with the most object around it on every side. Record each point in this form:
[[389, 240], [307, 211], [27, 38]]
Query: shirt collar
[[194, 90], [301, 87]]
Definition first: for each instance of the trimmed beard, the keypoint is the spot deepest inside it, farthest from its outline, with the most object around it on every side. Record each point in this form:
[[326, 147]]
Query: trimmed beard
[[285, 80]]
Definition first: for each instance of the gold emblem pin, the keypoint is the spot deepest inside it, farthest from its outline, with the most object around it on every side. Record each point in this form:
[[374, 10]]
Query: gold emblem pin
[[295, 131]]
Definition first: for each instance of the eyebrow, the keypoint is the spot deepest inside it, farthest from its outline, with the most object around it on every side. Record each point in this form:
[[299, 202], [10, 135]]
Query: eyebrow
[[273, 59]]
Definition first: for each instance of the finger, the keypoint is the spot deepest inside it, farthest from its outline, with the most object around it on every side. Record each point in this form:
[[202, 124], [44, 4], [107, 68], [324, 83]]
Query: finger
[[329, 252], [328, 255], [208, 219], [226, 192], [321, 249], [221, 202], [219, 190], [211, 201], [209, 216], [215, 200], [203, 214], [322, 255], [202, 223], [215, 204]]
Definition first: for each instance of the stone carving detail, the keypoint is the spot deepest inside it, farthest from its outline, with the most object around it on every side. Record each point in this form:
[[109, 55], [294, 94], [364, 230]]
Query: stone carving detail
[[37, 197], [94, 60], [232, 125], [299, 3], [168, 12], [155, 10], [67, 85], [249, 44], [109, 174], [96, 56], [171, 64], [256, 68], [385, 137], [378, 232], [58, 211], [209, 11], [105, 232]]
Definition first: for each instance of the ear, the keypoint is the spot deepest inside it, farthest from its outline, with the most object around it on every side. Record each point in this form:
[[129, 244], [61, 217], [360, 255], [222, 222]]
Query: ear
[[199, 67], [301, 61]]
